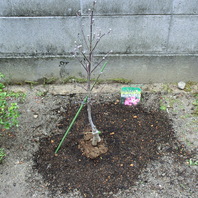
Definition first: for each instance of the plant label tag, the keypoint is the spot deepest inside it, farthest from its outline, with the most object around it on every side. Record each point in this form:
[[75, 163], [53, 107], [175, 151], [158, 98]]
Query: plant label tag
[[130, 95]]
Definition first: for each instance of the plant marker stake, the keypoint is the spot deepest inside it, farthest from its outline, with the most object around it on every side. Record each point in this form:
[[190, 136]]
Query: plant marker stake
[[71, 124], [80, 108]]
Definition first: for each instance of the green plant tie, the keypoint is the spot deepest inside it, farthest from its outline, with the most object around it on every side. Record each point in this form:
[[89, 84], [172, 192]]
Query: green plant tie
[[103, 67]]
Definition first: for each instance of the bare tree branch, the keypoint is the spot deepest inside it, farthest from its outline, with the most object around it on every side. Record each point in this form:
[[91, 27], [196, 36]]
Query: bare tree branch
[[103, 58], [82, 30], [80, 61], [85, 40], [86, 57], [98, 40]]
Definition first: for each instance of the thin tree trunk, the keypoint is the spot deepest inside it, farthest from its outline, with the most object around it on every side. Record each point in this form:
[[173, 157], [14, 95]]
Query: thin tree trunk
[[88, 64], [95, 132]]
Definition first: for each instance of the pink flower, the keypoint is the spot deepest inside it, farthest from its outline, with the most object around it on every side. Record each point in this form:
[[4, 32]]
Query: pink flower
[[131, 101], [127, 102]]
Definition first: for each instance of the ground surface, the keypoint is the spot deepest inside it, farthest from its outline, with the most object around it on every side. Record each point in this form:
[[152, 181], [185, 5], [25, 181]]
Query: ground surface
[[148, 150]]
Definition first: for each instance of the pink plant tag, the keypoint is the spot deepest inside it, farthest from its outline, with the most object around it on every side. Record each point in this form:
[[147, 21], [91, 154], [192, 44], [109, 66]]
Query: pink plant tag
[[130, 96]]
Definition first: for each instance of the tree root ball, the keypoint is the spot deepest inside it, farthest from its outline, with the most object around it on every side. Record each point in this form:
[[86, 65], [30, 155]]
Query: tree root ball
[[90, 151]]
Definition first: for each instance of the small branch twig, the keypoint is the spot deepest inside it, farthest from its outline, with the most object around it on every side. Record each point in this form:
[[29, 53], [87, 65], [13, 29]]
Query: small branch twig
[[98, 40], [80, 61], [86, 58], [82, 31], [84, 38], [103, 58]]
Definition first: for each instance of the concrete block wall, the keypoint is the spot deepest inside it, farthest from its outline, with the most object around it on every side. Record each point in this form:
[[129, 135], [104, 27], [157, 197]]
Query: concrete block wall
[[152, 41]]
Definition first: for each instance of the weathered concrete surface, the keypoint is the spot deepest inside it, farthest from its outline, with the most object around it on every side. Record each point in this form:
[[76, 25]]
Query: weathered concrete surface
[[112, 7], [183, 35], [39, 7], [185, 7], [134, 34], [104, 7], [37, 35], [138, 69], [32, 36], [152, 41]]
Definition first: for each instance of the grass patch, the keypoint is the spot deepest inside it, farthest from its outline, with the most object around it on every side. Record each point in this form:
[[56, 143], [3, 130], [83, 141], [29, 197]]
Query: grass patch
[[120, 80], [188, 87], [2, 154], [195, 103]]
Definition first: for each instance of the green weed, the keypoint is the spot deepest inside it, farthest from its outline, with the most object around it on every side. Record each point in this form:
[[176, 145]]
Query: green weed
[[2, 154], [163, 104], [192, 162], [167, 88], [48, 81], [163, 108], [8, 110], [41, 93], [188, 87], [195, 103], [169, 102]]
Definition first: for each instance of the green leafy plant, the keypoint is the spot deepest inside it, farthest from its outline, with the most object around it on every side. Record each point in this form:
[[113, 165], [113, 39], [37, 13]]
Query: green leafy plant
[[163, 105], [8, 110], [163, 108]]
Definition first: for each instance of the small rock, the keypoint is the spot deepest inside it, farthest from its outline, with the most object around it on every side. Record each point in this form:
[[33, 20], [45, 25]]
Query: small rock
[[35, 116], [61, 110], [181, 85], [163, 174]]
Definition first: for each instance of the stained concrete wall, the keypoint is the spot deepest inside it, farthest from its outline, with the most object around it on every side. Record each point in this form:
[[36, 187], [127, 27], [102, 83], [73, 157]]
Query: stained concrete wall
[[152, 41]]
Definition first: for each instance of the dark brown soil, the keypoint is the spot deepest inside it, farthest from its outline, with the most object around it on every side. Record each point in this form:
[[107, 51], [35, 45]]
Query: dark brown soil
[[133, 136]]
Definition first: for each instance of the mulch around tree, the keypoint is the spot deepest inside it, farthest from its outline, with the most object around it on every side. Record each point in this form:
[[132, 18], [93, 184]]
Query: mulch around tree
[[133, 135]]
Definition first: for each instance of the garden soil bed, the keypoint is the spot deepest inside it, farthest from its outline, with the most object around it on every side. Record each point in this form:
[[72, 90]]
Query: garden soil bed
[[133, 136], [148, 153]]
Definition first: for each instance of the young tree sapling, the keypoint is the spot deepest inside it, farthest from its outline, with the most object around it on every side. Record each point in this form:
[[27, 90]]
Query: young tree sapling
[[84, 52]]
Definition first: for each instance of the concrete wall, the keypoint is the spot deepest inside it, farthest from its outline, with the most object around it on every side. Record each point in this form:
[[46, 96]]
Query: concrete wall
[[152, 41]]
